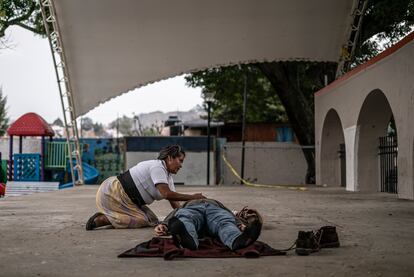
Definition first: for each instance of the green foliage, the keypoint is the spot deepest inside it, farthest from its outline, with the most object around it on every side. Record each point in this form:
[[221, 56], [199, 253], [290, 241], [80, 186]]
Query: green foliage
[[4, 120], [86, 123], [23, 13], [150, 131], [391, 129], [58, 122], [263, 105], [124, 125], [99, 130], [385, 22]]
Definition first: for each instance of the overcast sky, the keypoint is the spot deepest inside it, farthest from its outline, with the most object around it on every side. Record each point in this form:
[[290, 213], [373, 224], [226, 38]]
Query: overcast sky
[[29, 82]]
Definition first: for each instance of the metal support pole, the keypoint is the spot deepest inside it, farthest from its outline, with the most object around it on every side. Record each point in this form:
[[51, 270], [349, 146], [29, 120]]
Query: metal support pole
[[11, 158], [208, 142], [20, 144], [243, 128], [348, 50], [65, 90], [42, 172]]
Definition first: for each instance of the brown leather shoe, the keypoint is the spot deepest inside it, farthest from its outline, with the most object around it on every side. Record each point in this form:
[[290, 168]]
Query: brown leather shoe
[[327, 237], [306, 243]]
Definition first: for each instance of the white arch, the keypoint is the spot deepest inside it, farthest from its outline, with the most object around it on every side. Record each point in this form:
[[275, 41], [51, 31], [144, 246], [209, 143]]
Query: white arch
[[331, 138], [373, 119]]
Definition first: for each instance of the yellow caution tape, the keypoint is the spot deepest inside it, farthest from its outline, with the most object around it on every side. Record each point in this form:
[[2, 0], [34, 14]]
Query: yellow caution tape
[[247, 183]]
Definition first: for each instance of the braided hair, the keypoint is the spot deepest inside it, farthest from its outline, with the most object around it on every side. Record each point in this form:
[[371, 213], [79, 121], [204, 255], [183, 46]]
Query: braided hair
[[173, 151]]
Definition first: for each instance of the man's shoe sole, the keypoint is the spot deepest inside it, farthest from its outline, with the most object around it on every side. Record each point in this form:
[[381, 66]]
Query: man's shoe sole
[[305, 251], [180, 234], [330, 245]]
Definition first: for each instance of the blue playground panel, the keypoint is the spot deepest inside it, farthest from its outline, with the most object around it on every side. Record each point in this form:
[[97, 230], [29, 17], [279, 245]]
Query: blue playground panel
[[26, 167], [90, 175], [103, 154]]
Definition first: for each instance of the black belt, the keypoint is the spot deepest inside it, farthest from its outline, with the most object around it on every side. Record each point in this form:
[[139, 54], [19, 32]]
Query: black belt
[[130, 189]]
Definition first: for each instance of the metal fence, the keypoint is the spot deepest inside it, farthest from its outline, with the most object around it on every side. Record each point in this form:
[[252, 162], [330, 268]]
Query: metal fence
[[388, 151], [342, 159]]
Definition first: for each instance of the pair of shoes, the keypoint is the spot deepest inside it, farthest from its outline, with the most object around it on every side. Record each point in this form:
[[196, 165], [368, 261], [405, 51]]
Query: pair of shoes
[[327, 237], [180, 234], [309, 242], [90, 224], [249, 235]]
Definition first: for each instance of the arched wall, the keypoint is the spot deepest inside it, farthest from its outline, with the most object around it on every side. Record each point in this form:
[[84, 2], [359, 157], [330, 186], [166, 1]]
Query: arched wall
[[373, 120], [332, 137], [364, 100]]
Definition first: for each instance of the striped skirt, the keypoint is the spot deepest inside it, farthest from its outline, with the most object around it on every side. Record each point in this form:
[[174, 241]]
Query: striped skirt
[[115, 204]]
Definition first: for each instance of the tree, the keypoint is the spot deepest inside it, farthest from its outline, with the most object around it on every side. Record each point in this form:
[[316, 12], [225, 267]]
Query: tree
[[4, 120], [58, 122], [23, 13], [387, 21], [99, 130], [124, 125], [228, 84], [86, 124], [151, 131]]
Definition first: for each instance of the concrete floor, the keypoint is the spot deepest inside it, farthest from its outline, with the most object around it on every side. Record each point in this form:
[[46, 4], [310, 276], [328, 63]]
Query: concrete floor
[[44, 234]]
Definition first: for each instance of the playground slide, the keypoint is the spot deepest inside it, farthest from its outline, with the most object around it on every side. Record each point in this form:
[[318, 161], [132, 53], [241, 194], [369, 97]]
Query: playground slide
[[90, 175]]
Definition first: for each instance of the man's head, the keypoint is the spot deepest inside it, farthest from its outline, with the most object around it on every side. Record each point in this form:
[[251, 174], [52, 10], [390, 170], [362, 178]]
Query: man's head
[[173, 156], [252, 222], [251, 219]]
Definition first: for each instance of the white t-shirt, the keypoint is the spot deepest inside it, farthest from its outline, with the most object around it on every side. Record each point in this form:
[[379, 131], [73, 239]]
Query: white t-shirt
[[147, 174]]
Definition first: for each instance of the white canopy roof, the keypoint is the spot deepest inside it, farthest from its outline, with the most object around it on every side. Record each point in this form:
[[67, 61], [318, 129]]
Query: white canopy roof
[[113, 46]]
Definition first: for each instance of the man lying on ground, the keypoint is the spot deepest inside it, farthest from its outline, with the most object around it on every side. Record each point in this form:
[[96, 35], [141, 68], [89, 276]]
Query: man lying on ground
[[209, 218]]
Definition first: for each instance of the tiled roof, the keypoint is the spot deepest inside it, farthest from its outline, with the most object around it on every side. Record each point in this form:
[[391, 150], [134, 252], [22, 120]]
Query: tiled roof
[[30, 124]]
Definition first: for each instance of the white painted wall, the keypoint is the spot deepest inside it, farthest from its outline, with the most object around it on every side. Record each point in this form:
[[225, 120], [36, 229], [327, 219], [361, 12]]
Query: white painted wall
[[193, 172], [277, 163], [30, 145]]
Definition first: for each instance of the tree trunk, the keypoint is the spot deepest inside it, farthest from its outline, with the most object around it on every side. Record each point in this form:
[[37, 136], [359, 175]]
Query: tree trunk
[[295, 83]]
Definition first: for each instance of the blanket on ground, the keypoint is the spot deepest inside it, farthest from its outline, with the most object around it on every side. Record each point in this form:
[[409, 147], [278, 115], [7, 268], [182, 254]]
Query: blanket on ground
[[208, 248]]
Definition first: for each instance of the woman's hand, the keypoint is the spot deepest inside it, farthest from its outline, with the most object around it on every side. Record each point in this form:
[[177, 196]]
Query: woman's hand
[[161, 230], [198, 196], [176, 196]]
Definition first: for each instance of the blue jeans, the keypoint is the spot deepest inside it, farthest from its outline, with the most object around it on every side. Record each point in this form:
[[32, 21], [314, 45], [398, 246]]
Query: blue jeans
[[208, 219]]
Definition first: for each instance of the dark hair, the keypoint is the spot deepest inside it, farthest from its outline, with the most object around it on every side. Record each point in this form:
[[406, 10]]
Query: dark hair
[[173, 151], [252, 219]]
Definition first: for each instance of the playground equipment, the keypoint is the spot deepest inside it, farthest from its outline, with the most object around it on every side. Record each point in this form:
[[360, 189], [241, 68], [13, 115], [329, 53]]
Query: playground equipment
[[90, 175], [3, 176], [29, 124], [51, 165], [57, 158]]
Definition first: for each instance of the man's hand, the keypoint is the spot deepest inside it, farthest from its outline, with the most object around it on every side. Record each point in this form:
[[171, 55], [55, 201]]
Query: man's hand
[[161, 230], [241, 226]]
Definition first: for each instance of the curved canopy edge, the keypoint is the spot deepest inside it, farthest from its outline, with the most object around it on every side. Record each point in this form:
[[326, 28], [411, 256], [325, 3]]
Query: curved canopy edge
[[113, 46]]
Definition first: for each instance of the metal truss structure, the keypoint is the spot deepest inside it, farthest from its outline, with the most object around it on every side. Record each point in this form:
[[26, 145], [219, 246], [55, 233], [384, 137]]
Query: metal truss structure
[[348, 50], [65, 91]]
